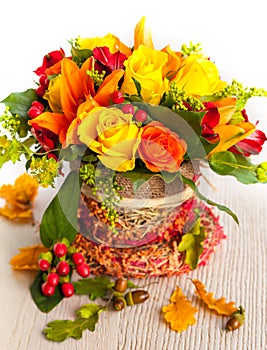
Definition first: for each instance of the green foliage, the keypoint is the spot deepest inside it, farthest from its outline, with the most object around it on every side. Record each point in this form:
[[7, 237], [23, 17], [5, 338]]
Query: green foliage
[[193, 186], [192, 244], [60, 218], [60, 330], [20, 102], [228, 163], [95, 287]]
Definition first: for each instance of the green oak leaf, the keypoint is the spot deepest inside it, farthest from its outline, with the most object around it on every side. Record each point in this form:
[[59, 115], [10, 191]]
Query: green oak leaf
[[60, 218], [89, 310], [95, 287], [192, 244]]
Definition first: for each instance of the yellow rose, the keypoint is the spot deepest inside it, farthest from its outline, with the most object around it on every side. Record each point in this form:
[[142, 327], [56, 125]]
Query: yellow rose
[[198, 76], [146, 66], [111, 134]]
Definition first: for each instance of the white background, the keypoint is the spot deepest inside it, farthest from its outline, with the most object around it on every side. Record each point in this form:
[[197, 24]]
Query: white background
[[232, 33]]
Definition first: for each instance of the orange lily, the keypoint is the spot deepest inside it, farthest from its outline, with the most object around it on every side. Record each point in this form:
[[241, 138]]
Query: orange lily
[[142, 35], [77, 94]]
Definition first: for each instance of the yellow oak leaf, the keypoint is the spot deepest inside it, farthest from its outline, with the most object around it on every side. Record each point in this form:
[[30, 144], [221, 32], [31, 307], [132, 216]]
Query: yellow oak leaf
[[19, 198], [218, 305], [179, 313], [28, 257]]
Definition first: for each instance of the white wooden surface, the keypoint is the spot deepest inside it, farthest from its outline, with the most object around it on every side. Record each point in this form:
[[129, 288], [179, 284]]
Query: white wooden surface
[[237, 271], [234, 35]]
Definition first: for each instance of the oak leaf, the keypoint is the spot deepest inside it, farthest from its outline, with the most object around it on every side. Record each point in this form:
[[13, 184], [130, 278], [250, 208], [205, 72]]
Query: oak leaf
[[218, 305], [28, 257], [179, 313], [19, 198]]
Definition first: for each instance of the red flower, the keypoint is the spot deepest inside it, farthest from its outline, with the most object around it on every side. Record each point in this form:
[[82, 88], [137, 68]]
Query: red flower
[[209, 121], [46, 138], [251, 145], [49, 60], [108, 61]]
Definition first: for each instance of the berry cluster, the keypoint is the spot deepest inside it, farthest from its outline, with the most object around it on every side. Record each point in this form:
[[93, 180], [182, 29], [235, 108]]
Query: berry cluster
[[57, 266], [36, 109], [139, 115]]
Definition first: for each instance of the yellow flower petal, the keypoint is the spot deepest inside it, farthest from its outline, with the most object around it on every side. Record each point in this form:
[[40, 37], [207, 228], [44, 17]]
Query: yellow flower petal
[[142, 35]]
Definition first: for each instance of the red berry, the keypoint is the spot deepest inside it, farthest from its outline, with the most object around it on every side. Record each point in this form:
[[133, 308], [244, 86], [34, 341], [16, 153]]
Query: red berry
[[140, 116], [67, 289], [43, 264], [63, 268], [38, 104], [43, 81], [52, 279], [60, 249], [128, 108], [47, 289], [83, 270], [40, 90], [117, 97], [33, 112], [77, 258]]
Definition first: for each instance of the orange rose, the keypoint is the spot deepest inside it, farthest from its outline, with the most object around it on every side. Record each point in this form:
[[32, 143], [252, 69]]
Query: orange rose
[[161, 149]]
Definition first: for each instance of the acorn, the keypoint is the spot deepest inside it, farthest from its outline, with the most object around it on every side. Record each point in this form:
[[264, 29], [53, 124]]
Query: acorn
[[236, 320], [119, 303], [120, 285], [136, 297]]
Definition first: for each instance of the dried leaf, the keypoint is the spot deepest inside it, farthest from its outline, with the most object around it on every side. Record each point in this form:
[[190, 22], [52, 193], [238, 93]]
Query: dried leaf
[[180, 313], [19, 198], [219, 305], [28, 257]]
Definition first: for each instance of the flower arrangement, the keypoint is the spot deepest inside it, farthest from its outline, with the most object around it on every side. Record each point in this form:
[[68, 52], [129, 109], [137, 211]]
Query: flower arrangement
[[136, 112]]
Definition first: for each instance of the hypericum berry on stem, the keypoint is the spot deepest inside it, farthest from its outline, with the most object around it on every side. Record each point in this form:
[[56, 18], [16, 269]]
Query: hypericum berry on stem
[[140, 116], [83, 270], [117, 97], [77, 258], [60, 249], [128, 108], [52, 279], [43, 264], [63, 268], [47, 289], [67, 289], [33, 112]]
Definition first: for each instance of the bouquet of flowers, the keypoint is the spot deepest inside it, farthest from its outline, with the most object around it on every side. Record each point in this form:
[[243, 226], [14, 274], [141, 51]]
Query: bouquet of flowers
[[124, 117]]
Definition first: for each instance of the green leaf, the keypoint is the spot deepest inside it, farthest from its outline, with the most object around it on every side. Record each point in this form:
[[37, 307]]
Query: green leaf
[[60, 330], [60, 218], [193, 186], [20, 102], [89, 310], [95, 287], [227, 163], [44, 304], [192, 244], [138, 87]]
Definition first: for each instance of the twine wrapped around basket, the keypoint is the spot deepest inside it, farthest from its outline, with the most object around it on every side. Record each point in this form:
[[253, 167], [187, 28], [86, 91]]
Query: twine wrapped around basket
[[151, 223]]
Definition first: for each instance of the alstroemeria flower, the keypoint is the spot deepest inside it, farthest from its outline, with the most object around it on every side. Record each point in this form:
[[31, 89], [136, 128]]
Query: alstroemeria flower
[[49, 60], [252, 145], [76, 94], [46, 138], [105, 60]]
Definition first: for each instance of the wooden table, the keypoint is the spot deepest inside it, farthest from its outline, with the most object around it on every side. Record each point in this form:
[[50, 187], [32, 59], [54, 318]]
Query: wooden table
[[237, 271]]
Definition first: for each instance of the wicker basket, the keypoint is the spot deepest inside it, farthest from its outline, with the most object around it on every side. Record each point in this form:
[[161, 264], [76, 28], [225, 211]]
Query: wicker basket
[[150, 225]]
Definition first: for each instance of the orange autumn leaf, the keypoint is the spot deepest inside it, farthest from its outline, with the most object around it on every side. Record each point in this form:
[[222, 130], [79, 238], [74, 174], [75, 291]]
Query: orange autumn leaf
[[19, 198], [179, 313], [219, 305], [27, 259]]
